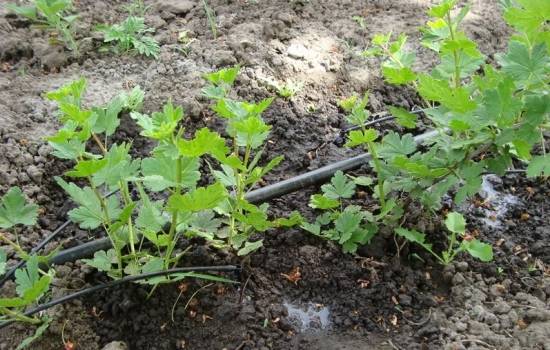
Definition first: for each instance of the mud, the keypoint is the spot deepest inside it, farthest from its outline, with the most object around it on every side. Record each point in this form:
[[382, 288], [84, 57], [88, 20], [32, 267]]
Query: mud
[[376, 301]]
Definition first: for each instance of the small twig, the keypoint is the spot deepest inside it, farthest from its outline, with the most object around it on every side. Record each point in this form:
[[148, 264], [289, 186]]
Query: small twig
[[196, 292], [477, 341], [243, 289]]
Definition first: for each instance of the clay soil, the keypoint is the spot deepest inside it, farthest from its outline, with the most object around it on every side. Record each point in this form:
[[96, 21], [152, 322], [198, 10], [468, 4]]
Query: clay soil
[[383, 298]]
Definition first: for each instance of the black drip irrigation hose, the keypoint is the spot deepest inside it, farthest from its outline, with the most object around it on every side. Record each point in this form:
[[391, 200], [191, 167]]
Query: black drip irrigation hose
[[114, 283]]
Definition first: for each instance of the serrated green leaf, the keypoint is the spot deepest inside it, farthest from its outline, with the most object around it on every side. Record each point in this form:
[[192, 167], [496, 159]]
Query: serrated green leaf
[[456, 99], [347, 223], [205, 141], [252, 131], [200, 199], [524, 65], [414, 236], [404, 117], [86, 168], [340, 187], [441, 10], [160, 125], [528, 15], [107, 120], [26, 278], [249, 247], [103, 260], [393, 145], [539, 166], [363, 180], [398, 76], [15, 211], [160, 172], [360, 137], [318, 201], [119, 166], [455, 222]]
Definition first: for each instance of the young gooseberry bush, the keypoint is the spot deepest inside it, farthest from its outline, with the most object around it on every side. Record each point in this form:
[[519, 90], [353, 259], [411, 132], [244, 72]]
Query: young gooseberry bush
[[54, 16], [160, 200], [486, 115], [131, 35], [31, 282]]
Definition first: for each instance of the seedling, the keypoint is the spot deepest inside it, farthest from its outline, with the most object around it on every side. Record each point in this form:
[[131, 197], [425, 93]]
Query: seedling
[[52, 15], [131, 35], [186, 42], [137, 8], [350, 226], [485, 119], [289, 89], [239, 164], [31, 282], [211, 17], [456, 225], [360, 20]]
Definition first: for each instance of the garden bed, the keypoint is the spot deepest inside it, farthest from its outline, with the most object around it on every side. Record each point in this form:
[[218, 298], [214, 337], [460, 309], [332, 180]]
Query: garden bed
[[381, 298]]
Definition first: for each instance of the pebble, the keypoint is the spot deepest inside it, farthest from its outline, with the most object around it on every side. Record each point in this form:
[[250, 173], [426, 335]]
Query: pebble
[[115, 345]]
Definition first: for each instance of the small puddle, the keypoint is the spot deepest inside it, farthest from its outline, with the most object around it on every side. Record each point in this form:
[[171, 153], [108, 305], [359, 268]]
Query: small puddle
[[308, 316], [498, 203]]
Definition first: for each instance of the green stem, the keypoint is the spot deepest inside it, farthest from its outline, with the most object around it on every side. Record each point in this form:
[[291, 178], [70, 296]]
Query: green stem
[[174, 221], [128, 201], [19, 317], [456, 57], [378, 169], [14, 245]]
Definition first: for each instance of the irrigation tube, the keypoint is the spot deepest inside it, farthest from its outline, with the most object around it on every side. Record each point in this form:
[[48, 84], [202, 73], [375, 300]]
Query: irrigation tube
[[260, 195], [96, 288]]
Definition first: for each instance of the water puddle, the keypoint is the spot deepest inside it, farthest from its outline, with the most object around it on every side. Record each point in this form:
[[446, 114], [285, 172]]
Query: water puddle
[[497, 203], [309, 316]]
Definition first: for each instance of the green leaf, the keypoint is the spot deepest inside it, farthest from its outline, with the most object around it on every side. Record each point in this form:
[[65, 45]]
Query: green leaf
[[26, 278], [318, 201], [404, 117], [160, 172], [539, 166], [524, 65], [25, 11], [414, 236], [200, 199], [456, 99], [37, 334], [119, 166], [102, 261], [89, 215], [363, 180], [340, 187], [86, 168], [14, 210], [393, 145], [107, 120], [347, 223], [205, 141], [358, 137], [252, 131], [398, 76], [480, 250], [455, 222], [442, 9], [249, 247], [161, 125], [529, 15], [294, 219], [311, 228]]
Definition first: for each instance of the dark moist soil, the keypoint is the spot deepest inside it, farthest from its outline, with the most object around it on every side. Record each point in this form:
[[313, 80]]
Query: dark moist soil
[[378, 300]]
